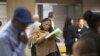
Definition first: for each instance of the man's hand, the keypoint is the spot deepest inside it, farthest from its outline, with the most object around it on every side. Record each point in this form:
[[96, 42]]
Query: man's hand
[[23, 38]]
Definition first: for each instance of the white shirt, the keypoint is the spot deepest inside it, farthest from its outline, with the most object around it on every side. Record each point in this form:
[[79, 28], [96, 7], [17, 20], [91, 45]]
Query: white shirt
[[52, 22], [33, 26]]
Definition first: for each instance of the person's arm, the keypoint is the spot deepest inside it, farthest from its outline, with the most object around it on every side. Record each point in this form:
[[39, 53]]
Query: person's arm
[[6, 49], [39, 37]]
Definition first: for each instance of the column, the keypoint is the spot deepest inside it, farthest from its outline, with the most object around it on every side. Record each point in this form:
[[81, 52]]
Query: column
[[12, 4]]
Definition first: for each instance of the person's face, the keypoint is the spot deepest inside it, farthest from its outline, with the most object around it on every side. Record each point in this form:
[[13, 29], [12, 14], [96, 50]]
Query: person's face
[[53, 17], [36, 18], [46, 25], [81, 22], [20, 26]]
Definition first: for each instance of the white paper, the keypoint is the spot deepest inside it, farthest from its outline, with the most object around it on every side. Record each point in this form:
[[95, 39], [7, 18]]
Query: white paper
[[56, 32]]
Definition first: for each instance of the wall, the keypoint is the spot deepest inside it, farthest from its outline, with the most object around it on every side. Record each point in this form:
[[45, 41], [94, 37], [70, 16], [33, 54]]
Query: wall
[[46, 9], [3, 0], [91, 5], [63, 11], [60, 14], [67, 2], [12, 4], [3, 12]]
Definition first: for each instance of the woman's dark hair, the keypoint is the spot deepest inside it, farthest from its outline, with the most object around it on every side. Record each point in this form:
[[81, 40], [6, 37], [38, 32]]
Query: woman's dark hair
[[68, 21], [91, 18], [66, 27], [46, 19]]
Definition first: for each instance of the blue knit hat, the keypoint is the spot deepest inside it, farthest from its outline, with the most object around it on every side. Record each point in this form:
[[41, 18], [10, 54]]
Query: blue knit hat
[[23, 15]]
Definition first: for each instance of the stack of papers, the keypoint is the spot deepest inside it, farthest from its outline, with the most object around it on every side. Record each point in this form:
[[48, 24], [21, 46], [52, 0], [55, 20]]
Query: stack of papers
[[56, 32]]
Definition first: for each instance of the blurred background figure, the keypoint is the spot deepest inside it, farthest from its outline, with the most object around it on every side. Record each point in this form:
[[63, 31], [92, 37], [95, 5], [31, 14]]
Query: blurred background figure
[[84, 47], [93, 21], [80, 28], [33, 26], [69, 35], [51, 16], [37, 22]]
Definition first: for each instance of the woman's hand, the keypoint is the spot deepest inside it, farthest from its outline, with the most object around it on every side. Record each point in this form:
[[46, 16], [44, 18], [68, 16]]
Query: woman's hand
[[41, 37], [57, 38]]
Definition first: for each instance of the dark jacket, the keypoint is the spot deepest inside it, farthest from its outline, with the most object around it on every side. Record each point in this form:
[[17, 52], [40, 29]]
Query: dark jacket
[[95, 36], [80, 31], [69, 33]]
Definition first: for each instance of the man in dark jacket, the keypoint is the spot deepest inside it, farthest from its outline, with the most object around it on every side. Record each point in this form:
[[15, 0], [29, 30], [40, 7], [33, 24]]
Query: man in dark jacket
[[93, 20]]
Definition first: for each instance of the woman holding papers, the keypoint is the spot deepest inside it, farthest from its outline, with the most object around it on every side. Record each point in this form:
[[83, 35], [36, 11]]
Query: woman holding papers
[[44, 46], [69, 35]]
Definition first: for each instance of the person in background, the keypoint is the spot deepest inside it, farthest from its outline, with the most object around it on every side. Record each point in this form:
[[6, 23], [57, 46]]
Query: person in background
[[13, 38], [69, 34], [93, 21], [51, 16], [80, 28], [37, 22], [34, 26], [44, 47], [84, 47]]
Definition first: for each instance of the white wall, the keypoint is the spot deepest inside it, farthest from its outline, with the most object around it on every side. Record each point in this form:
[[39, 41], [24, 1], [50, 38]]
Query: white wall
[[3, 12], [46, 9]]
